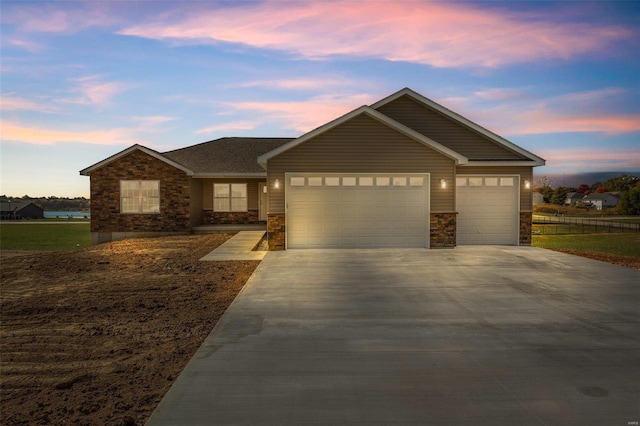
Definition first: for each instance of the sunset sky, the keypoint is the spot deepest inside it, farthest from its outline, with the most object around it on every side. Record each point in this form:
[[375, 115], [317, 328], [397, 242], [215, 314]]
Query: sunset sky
[[81, 81]]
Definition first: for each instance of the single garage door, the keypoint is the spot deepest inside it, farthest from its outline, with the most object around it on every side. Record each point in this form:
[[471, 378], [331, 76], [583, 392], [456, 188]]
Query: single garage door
[[487, 209], [357, 211]]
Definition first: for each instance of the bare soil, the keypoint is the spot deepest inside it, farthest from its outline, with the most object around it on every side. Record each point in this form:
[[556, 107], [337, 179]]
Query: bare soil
[[97, 336], [627, 261]]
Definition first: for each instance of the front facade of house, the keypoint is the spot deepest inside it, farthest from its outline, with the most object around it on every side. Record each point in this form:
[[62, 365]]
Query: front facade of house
[[601, 201], [16, 211], [404, 172]]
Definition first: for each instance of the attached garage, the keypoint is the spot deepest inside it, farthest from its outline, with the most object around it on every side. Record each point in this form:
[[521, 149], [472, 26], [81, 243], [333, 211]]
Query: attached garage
[[357, 210], [488, 209]]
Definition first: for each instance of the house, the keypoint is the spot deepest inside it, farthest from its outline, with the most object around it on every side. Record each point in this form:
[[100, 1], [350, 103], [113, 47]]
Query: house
[[15, 211], [572, 198], [403, 172], [602, 200], [538, 198]]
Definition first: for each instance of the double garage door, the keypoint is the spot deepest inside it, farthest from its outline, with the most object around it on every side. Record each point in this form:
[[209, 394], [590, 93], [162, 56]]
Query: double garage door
[[357, 210], [487, 209]]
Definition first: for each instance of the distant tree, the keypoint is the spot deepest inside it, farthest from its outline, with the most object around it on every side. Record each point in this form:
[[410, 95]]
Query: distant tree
[[559, 195], [601, 190], [630, 201], [621, 183], [595, 186], [582, 188], [543, 186]]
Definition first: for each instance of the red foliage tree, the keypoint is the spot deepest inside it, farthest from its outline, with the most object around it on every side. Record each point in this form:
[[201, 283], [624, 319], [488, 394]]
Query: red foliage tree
[[601, 190], [582, 188]]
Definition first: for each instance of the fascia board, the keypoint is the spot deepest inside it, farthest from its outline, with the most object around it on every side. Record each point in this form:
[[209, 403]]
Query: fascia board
[[155, 154], [462, 120], [229, 175], [376, 115], [504, 163]]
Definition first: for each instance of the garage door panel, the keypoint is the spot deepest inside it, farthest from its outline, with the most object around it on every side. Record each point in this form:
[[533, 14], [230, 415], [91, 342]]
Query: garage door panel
[[358, 216], [487, 210]]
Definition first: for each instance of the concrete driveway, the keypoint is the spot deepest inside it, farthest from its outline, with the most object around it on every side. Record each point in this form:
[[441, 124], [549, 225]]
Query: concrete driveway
[[476, 335]]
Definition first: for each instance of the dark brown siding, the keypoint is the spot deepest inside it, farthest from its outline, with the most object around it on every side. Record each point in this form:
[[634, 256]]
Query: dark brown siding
[[196, 201], [526, 173], [364, 145], [174, 213], [445, 131]]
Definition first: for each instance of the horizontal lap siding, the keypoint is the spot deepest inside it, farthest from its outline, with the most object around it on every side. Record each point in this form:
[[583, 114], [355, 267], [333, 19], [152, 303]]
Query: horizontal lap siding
[[526, 173], [252, 191], [363, 145], [445, 131]]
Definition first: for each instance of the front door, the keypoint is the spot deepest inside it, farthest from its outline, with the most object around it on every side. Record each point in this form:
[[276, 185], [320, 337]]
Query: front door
[[262, 197]]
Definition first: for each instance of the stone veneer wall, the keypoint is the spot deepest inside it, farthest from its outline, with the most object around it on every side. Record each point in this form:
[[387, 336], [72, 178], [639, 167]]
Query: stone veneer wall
[[526, 219], [276, 231], [443, 230], [106, 220], [217, 218]]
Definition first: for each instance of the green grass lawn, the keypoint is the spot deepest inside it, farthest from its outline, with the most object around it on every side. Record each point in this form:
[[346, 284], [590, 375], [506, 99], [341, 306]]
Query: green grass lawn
[[34, 236], [623, 244]]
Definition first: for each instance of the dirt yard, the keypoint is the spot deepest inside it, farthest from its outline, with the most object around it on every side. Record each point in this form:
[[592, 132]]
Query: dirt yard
[[627, 261], [97, 336]]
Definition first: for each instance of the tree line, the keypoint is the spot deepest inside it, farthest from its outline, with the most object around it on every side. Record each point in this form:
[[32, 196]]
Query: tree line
[[52, 204], [627, 185]]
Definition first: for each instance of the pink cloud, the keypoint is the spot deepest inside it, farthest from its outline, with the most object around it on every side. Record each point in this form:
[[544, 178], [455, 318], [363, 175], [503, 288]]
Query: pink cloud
[[55, 18], [440, 34], [303, 116], [302, 83], [92, 91], [42, 136], [229, 127], [519, 112], [577, 159], [12, 103]]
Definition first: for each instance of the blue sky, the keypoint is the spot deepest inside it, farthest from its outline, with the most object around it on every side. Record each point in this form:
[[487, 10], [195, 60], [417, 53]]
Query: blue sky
[[83, 80]]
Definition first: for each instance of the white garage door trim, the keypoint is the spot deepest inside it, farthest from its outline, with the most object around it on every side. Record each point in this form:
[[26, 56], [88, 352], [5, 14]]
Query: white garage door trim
[[477, 223], [354, 199]]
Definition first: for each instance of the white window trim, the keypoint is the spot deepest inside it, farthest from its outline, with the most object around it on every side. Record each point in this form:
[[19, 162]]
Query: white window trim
[[141, 199], [230, 198]]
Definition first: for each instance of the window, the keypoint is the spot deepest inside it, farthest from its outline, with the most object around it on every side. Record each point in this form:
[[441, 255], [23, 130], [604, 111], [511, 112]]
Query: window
[[230, 197], [365, 181], [348, 181], [140, 196], [315, 181], [332, 181], [297, 181]]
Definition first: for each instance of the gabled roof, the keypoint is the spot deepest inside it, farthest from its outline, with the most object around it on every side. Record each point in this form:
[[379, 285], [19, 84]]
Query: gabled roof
[[600, 196], [136, 147], [232, 157], [6, 207], [226, 156], [532, 159], [370, 112]]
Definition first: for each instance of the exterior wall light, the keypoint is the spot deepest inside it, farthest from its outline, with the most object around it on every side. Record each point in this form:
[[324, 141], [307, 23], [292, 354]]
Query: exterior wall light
[[443, 184], [527, 184], [276, 184]]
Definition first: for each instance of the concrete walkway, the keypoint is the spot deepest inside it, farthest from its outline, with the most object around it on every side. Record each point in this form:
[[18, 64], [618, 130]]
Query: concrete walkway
[[476, 335], [238, 247]]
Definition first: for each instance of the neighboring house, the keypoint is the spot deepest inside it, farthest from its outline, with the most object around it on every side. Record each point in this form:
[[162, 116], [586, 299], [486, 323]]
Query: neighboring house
[[573, 198], [538, 198], [602, 200], [14, 211], [403, 172]]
